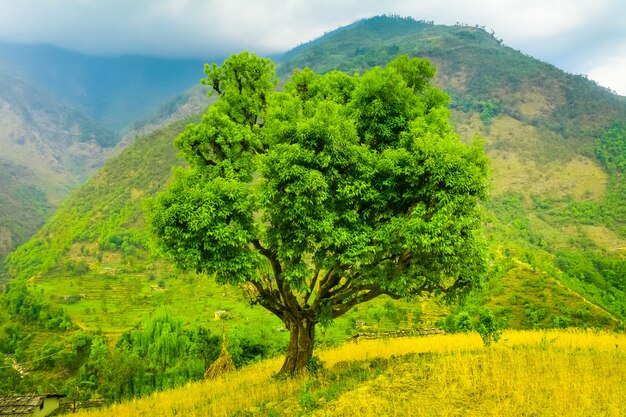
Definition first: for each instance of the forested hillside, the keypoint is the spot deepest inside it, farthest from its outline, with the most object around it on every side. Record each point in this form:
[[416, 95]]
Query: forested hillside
[[554, 141], [48, 148], [555, 221]]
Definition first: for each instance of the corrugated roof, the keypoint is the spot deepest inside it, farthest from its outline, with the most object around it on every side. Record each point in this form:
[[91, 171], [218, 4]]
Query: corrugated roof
[[20, 405]]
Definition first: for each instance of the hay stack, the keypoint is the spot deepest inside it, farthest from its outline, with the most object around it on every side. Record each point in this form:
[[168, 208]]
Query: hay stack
[[222, 365]]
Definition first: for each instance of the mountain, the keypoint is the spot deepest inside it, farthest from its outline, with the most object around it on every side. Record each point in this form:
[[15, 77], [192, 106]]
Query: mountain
[[556, 226], [62, 114], [114, 91], [555, 213], [558, 199], [47, 149]]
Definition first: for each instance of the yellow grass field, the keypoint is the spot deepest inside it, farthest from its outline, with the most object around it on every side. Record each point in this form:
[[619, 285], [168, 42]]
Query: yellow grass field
[[528, 373]]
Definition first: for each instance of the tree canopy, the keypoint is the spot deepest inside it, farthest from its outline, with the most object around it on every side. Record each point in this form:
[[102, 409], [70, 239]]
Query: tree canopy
[[337, 189]]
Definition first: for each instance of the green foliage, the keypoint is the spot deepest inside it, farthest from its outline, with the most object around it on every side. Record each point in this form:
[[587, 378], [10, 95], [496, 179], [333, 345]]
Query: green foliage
[[489, 328], [162, 340], [13, 339], [464, 322], [535, 316], [377, 315], [77, 268], [488, 110], [358, 178], [599, 276], [307, 399], [611, 149], [29, 307], [10, 379], [205, 345], [314, 365]]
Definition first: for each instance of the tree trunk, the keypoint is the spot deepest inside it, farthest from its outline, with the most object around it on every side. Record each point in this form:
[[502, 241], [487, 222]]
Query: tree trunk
[[300, 350]]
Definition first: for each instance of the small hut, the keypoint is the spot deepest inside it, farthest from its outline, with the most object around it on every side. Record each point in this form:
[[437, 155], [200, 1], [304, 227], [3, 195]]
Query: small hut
[[29, 405]]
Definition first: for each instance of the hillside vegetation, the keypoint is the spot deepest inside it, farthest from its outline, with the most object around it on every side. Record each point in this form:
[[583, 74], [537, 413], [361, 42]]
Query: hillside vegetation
[[555, 223], [558, 198], [61, 114], [548, 373]]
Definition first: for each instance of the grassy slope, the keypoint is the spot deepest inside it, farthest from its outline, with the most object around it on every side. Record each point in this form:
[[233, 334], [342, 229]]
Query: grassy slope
[[581, 374], [102, 224]]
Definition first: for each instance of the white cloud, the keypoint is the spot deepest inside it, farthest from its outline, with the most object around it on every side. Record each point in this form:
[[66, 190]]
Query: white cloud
[[579, 36], [611, 74]]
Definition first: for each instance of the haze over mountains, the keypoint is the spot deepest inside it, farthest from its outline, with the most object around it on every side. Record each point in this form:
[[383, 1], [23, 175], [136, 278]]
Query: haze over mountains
[[62, 114]]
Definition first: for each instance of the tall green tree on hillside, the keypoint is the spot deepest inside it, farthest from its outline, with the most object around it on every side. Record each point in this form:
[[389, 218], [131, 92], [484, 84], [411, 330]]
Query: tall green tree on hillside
[[328, 194]]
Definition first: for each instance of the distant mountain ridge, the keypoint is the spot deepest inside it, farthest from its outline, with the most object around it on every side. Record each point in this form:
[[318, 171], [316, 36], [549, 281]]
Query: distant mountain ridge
[[47, 149], [113, 91], [555, 212], [63, 113]]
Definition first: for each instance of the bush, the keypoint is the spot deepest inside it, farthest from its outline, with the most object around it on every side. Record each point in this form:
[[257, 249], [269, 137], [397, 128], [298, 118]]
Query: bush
[[463, 322], [488, 327], [560, 322]]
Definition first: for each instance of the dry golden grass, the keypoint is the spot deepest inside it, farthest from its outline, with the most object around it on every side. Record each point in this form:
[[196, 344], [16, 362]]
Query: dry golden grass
[[528, 373], [497, 382], [220, 397], [605, 238], [581, 177], [533, 101]]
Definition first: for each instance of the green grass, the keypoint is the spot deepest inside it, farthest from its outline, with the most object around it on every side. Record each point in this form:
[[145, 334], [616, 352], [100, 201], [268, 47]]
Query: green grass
[[116, 302]]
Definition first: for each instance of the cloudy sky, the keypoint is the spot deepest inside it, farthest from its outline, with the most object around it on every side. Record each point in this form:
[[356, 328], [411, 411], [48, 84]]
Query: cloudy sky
[[579, 36]]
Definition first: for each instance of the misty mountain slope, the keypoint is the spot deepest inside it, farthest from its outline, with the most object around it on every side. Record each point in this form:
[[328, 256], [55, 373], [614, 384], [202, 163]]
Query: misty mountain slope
[[61, 115], [46, 150], [113, 91], [107, 209], [545, 180]]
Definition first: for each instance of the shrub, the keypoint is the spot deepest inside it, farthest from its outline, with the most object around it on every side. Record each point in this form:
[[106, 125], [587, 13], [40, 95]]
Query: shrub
[[488, 327]]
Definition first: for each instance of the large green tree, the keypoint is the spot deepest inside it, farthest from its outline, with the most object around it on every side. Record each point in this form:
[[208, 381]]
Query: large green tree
[[327, 194]]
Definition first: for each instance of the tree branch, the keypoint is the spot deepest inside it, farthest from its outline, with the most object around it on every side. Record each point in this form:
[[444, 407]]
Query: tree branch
[[271, 256], [331, 279], [268, 299], [341, 309], [311, 287]]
